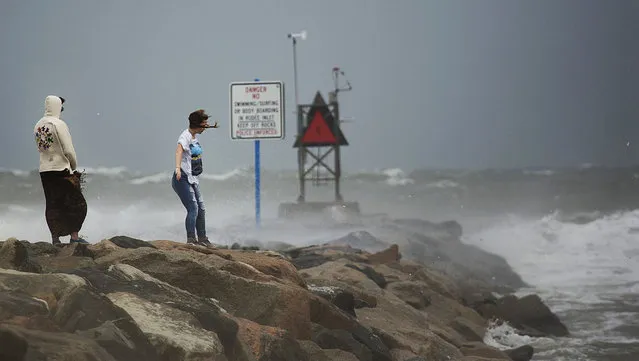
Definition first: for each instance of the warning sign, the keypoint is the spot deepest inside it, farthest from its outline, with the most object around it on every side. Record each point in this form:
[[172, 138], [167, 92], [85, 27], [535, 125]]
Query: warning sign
[[322, 129], [318, 132], [257, 110]]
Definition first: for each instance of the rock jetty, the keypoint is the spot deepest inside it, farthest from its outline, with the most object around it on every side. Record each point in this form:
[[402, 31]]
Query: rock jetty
[[427, 296]]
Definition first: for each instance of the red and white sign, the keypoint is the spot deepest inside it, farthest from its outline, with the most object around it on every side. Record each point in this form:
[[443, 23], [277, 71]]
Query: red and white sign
[[257, 110]]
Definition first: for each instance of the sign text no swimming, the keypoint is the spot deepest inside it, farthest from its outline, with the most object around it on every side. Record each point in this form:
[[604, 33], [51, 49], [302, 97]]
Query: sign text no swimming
[[257, 110]]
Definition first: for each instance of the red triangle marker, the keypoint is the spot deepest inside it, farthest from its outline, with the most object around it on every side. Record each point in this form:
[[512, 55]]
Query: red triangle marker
[[318, 131]]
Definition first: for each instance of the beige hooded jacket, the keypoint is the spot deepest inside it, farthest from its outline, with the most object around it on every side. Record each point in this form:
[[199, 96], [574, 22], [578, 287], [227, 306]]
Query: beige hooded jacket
[[53, 139]]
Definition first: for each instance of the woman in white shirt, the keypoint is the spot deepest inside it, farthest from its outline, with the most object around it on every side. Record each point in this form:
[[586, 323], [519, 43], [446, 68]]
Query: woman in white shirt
[[66, 207], [185, 182]]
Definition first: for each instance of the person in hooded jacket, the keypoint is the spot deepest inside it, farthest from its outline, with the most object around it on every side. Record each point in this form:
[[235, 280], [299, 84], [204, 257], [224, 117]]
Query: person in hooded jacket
[[185, 182], [66, 207]]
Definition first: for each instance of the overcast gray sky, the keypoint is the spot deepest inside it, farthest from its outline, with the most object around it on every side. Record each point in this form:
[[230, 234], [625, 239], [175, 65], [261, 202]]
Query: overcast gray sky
[[474, 83]]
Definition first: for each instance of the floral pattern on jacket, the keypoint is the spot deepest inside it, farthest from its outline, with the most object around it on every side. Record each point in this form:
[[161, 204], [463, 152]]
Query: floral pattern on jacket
[[43, 138]]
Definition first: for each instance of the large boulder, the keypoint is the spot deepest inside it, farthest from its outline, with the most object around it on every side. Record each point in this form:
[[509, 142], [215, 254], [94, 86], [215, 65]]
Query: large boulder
[[397, 324], [65, 303], [24, 344], [15, 255], [361, 240], [521, 353], [269, 343], [267, 303], [312, 256], [178, 324], [529, 314], [440, 246]]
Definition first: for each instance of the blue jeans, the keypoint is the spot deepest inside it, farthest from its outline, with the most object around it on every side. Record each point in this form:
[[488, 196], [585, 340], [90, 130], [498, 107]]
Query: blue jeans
[[192, 200]]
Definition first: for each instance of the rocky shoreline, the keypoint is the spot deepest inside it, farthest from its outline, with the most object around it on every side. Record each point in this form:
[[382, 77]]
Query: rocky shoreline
[[423, 296]]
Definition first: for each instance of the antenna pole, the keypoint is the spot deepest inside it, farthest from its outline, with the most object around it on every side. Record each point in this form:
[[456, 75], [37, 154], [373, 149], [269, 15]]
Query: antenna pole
[[336, 114]]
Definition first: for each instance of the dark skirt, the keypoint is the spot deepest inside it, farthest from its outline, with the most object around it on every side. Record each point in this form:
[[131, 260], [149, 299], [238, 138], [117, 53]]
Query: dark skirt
[[66, 207]]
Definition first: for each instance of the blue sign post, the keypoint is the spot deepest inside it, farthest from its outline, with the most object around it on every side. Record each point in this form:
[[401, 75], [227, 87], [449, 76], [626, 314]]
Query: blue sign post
[[257, 112], [257, 183], [258, 206]]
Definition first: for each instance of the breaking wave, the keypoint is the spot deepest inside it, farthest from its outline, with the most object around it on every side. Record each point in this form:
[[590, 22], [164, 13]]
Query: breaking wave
[[587, 272]]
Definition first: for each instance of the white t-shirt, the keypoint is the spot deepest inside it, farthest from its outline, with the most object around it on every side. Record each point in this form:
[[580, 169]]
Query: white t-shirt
[[186, 140]]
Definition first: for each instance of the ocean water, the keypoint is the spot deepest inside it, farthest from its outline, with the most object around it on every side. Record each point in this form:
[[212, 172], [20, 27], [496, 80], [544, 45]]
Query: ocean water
[[571, 233]]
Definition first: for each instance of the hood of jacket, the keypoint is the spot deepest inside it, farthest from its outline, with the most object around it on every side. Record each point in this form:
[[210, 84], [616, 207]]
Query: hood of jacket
[[52, 106]]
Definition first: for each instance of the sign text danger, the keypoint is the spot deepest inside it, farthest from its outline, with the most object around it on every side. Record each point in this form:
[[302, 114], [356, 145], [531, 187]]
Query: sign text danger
[[257, 110]]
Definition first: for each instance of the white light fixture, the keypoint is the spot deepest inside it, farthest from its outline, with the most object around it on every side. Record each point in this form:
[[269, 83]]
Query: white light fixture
[[301, 35]]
